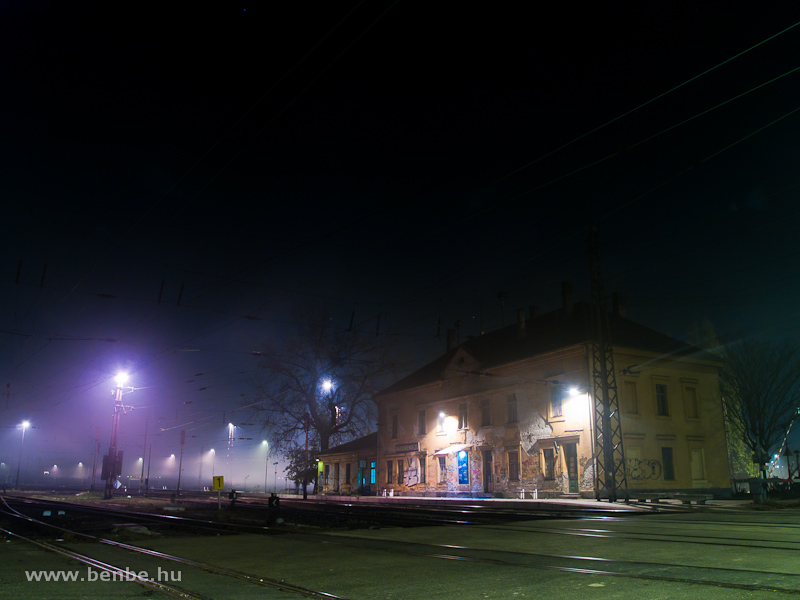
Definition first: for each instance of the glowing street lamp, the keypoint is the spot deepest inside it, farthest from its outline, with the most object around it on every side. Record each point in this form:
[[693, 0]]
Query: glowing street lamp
[[265, 443], [111, 460], [25, 425]]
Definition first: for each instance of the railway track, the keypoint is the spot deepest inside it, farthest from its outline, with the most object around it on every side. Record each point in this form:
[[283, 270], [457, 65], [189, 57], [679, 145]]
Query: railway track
[[577, 564]]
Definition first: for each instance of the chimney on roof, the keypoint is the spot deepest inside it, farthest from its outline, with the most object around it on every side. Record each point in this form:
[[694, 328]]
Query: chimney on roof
[[566, 298], [520, 324], [451, 339], [618, 305]]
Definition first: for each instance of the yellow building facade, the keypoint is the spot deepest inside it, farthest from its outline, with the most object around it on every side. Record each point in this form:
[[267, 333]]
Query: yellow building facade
[[510, 414]]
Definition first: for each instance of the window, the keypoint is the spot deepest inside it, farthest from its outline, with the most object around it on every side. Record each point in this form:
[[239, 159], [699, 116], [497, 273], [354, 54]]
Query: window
[[442, 469], [394, 426], [667, 464], [423, 429], [372, 472], [327, 477], [389, 471], [462, 416], [549, 456], [422, 465], [662, 405], [347, 473], [462, 458], [440, 422], [336, 477], [486, 412], [698, 465], [556, 410], [513, 465], [511, 408], [400, 471], [630, 399], [690, 400]]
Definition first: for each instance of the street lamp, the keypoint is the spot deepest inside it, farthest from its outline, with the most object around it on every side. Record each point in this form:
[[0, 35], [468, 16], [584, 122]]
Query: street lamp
[[276, 476], [265, 443], [112, 460], [25, 425]]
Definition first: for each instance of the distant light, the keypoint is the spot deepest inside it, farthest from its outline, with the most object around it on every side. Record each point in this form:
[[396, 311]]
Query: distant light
[[461, 453], [55, 466], [230, 424], [212, 450], [26, 424], [264, 442], [121, 378], [441, 414], [140, 458], [80, 464], [327, 385], [573, 391], [172, 456]]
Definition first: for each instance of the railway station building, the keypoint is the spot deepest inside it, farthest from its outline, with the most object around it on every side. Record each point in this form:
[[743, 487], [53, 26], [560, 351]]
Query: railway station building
[[510, 414]]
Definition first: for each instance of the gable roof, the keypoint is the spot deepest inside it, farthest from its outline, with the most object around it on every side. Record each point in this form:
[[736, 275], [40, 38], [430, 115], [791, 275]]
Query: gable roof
[[546, 333], [368, 442]]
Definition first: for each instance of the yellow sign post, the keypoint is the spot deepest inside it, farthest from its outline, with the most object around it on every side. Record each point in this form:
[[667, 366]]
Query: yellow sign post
[[219, 483]]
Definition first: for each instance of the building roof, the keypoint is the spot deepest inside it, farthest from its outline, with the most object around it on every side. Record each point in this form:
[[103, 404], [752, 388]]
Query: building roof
[[547, 333], [368, 442]]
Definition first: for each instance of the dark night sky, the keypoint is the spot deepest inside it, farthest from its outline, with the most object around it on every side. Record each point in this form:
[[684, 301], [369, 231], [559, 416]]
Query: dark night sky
[[394, 158]]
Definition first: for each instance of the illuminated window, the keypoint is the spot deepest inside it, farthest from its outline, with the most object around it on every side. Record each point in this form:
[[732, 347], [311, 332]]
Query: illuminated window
[[462, 458], [556, 406], [440, 422], [630, 399], [394, 426], [511, 408], [486, 412], [662, 404], [442, 469], [372, 472], [549, 462], [513, 465], [423, 428], [389, 471], [462, 416], [690, 400]]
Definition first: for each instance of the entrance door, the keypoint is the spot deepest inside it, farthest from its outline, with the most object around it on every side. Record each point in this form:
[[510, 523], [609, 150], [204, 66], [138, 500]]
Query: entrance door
[[487, 472], [571, 456]]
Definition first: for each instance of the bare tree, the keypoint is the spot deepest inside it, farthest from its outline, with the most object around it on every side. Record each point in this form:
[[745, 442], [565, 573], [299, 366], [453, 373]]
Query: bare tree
[[761, 389], [320, 380]]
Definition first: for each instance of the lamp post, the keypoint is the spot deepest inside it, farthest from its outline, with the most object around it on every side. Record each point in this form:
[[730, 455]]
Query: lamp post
[[275, 464], [25, 425], [111, 462], [265, 443]]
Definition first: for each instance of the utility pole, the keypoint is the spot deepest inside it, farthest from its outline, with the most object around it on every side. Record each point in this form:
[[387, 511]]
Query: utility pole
[[147, 481], [610, 480], [200, 476], [112, 462], [180, 462], [275, 464], [96, 452], [144, 451]]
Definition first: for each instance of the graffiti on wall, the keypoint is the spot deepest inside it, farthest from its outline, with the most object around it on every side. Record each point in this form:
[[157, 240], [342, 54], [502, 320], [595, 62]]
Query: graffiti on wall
[[639, 469]]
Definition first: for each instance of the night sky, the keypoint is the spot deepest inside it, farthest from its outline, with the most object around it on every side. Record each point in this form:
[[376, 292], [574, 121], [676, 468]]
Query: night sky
[[175, 183]]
